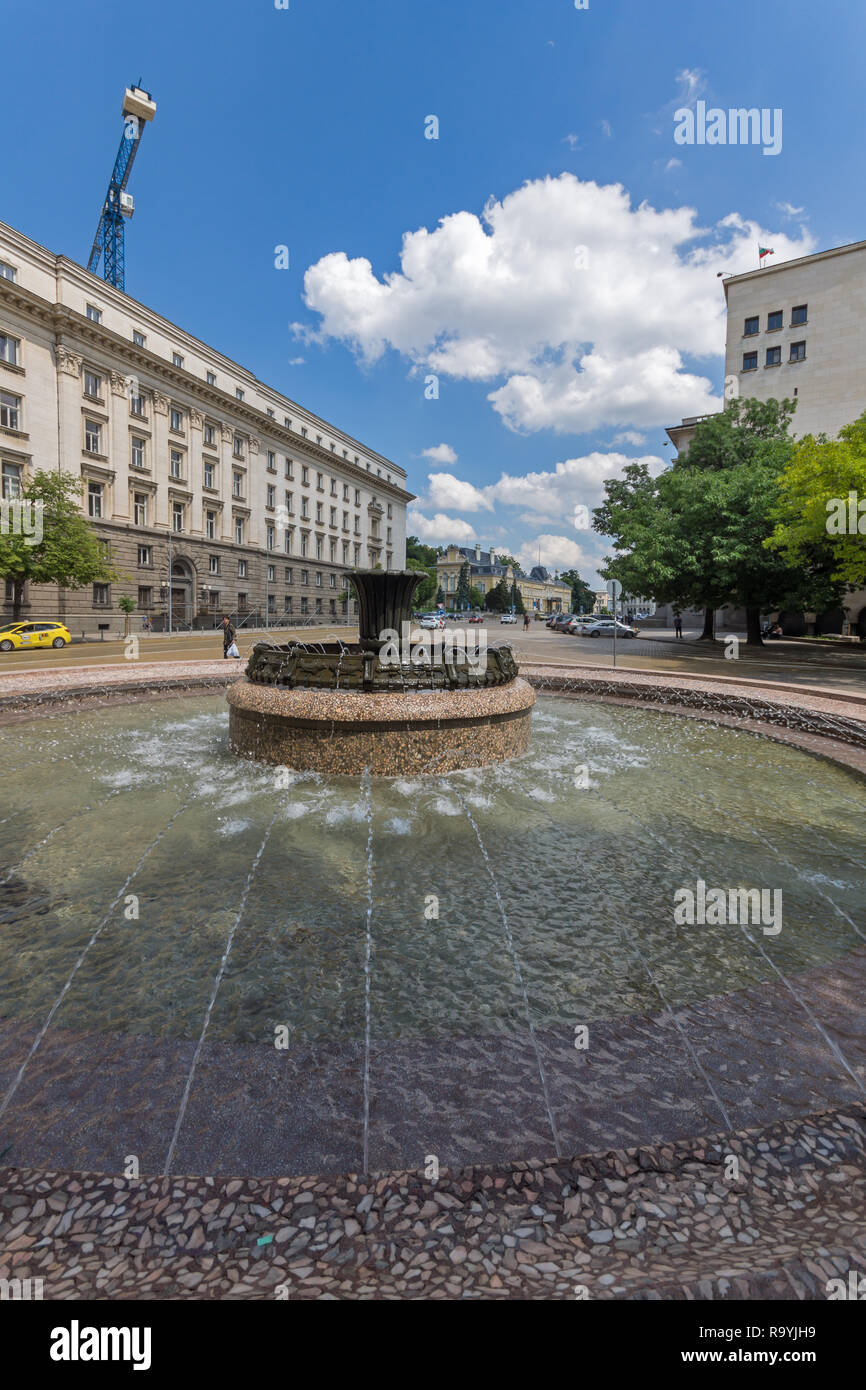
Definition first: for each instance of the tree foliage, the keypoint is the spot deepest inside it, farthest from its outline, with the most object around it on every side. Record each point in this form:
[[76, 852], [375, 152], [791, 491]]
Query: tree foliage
[[815, 511], [69, 552]]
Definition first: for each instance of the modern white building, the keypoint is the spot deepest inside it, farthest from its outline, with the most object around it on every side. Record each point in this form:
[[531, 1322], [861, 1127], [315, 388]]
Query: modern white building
[[798, 330], [179, 449]]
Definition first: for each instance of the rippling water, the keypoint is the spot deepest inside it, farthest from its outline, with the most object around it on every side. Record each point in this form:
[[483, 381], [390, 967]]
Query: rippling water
[[553, 898]]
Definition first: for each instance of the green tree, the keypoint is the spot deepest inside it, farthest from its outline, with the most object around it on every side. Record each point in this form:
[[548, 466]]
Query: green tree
[[68, 553], [582, 596], [425, 593], [476, 597], [499, 598], [127, 608], [440, 595], [814, 512], [462, 600], [516, 599], [507, 560], [426, 554]]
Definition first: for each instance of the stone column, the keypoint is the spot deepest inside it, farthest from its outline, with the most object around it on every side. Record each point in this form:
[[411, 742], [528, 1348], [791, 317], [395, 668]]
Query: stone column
[[118, 449], [195, 474], [159, 416]]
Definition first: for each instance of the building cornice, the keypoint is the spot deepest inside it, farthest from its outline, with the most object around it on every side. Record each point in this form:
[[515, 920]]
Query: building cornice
[[799, 261]]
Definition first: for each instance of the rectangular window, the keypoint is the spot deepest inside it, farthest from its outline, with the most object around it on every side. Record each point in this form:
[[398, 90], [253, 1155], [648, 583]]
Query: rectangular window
[[305, 576], [270, 412], [145, 596], [774, 321], [239, 530], [272, 603], [271, 496], [333, 516], [145, 555], [92, 437], [176, 464], [287, 541], [176, 359], [8, 272], [798, 352], [357, 526], [136, 406], [210, 378], [209, 435], [333, 487], [270, 537], [305, 475], [318, 547], [10, 349], [210, 525], [305, 543], [305, 606], [290, 502], [318, 605], [176, 420], [178, 514], [774, 356], [243, 601], [242, 569], [390, 511], [388, 536], [208, 475], [137, 448], [11, 480], [238, 447], [140, 509], [345, 492], [92, 385], [101, 595], [272, 574], [319, 513], [94, 314], [750, 361], [752, 326], [138, 339], [332, 581], [305, 509], [332, 545], [318, 579], [290, 575], [290, 472], [10, 411], [357, 497], [287, 605], [272, 461], [239, 393], [237, 485], [213, 566], [799, 314]]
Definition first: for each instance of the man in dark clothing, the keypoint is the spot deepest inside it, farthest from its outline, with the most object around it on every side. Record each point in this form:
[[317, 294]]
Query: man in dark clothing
[[678, 625], [228, 637], [526, 621]]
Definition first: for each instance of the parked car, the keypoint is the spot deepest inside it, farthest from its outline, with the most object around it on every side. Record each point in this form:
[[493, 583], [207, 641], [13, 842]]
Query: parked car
[[432, 620], [508, 617], [18, 636], [475, 618], [561, 621], [605, 628]]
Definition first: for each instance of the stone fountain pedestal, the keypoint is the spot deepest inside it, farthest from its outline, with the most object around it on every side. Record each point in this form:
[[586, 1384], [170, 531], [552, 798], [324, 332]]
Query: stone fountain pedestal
[[344, 732]]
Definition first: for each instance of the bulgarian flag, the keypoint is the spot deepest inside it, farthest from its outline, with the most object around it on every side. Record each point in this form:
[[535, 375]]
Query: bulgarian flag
[[764, 251]]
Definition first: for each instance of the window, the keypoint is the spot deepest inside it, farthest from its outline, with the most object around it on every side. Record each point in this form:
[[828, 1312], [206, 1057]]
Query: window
[[304, 431], [10, 349], [242, 603], [388, 540], [242, 569], [774, 356], [8, 272], [137, 448], [305, 509], [799, 314], [357, 497], [145, 596], [138, 339], [136, 406], [305, 475], [287, 606], [272, 461], [10, 411], [333, 487], [345, 521], [290, 502], [270, 412], [176, 420], [290, 575], [94, 314], [750, 361], [357, 526], [333, 516], [239, 393], [318, 579], [178, 515], [290, 472], [271, 496], [145, 555], [287, 421], [798, 352], [305, 543], [319, 517], [92, 437], [208, 475], [210, 378], [101, 595], [318, 605], [272, 574], [175, 467], [239, 530], [345, 492], [318, 547], [305, 576], [210, 525], [176, 359], [92, 385], [213, 564], [237, 485], [11, 480], [140, 508], [305, 606], [270, 537], [94, 499], [320, 487], [210, 435], [287, 541], [238, 447], [390, 511], [774, 321], [332, 581]]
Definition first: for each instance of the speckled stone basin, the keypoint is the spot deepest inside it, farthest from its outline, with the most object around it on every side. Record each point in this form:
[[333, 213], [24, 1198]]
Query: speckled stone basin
[[392, 735]]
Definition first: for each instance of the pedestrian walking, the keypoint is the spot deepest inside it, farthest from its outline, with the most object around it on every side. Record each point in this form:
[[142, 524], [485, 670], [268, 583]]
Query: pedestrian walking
[[526, 621], [678, 625], [229, 640]]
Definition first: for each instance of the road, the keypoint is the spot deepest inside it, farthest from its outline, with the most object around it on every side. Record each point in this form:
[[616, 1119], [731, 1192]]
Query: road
[[841, 669]]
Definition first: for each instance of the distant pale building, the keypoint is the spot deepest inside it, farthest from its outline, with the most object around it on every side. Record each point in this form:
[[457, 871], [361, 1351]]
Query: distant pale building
[[541, 591]]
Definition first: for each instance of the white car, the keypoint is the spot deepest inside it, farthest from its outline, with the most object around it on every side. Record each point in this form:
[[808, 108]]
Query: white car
[[432, 620], [508, 618]]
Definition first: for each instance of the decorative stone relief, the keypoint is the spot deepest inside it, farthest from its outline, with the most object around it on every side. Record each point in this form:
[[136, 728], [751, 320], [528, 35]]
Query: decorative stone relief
[[68, 362], [160, 403]]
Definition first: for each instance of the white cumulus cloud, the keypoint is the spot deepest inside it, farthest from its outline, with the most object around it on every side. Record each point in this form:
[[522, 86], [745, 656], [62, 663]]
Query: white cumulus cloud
[[440, 453], [439, 529]]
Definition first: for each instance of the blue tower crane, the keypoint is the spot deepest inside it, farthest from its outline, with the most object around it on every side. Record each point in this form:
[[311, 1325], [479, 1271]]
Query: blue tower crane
[[138, 108]]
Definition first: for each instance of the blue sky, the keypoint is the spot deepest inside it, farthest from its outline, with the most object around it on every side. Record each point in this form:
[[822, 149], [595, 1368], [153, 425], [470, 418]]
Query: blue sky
[[559, 277]]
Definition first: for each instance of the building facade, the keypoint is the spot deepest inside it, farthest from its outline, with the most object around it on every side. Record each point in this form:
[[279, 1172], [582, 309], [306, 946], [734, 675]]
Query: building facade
[[213, 492], [798, 330], [541, 591]]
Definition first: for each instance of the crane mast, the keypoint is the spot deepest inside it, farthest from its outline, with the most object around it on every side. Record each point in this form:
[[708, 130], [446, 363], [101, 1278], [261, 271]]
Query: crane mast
[[138, 108]]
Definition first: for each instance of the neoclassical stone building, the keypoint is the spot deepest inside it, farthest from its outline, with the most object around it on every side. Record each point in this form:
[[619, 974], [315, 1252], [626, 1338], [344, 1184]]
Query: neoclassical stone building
[[184, 457]]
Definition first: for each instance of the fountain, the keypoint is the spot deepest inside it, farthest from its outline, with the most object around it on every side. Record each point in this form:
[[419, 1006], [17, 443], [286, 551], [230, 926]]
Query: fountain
[[386, 703]]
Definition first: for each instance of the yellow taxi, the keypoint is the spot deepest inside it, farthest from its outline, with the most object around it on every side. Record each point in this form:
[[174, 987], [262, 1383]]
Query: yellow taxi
[[22, 636]]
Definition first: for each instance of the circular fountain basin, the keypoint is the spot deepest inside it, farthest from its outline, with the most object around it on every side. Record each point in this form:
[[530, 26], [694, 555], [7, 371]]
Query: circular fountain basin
[[346, 732]]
